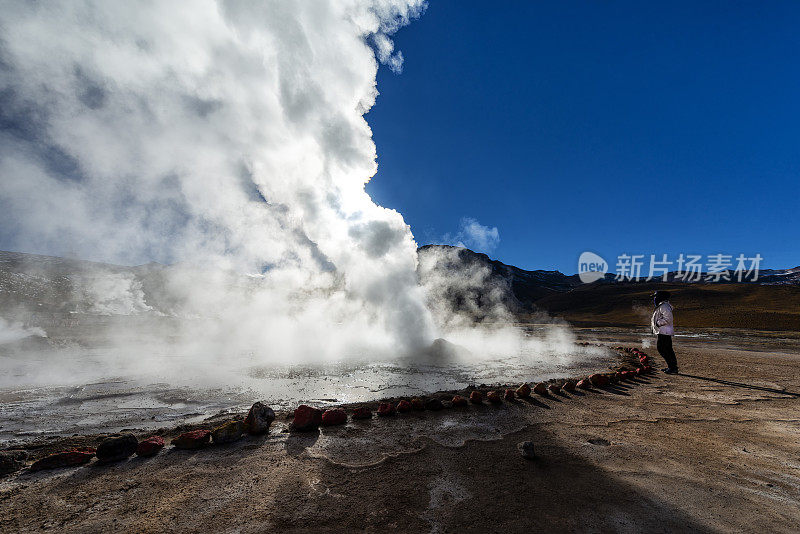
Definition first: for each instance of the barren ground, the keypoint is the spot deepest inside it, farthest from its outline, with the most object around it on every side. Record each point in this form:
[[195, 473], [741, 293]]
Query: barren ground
[[666, 454]]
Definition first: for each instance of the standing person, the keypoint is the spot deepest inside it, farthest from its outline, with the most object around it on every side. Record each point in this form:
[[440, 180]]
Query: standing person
[[662, 326]]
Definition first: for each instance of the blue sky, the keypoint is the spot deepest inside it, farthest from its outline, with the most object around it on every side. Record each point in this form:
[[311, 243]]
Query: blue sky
[[613, 127]]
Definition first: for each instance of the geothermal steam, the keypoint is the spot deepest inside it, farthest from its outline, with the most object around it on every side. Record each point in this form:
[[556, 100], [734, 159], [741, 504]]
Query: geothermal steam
[[226, 136], [228, 140]]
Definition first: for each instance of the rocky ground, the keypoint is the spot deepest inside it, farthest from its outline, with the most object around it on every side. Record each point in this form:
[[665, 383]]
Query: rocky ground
[[716, 449]]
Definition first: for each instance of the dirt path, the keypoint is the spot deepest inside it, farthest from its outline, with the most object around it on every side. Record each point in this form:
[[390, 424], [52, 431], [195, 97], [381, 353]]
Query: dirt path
[[668, 454]]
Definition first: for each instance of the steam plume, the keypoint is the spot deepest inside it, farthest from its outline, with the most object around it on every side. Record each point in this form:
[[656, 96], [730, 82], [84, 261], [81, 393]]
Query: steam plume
[[228, 137]]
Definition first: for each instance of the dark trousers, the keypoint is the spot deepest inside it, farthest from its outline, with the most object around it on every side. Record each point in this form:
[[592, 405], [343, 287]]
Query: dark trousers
[[664, 346]]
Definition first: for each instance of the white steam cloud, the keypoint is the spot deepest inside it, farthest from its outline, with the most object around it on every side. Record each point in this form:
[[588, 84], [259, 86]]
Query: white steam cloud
[[227, 136], [473, 235]]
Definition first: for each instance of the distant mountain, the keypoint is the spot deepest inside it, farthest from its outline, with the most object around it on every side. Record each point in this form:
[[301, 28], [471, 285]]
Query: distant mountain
[[769, 303], [467, 282]]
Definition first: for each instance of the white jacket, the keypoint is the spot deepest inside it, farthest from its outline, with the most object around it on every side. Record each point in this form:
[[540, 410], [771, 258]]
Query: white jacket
[[661, 322]]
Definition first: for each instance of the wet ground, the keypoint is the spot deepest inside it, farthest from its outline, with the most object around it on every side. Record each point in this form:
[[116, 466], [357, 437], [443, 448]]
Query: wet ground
[[76, 381], [715, 449]]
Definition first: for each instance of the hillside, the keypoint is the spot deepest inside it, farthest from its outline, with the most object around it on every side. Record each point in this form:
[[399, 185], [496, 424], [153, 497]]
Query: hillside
[[771, 303]]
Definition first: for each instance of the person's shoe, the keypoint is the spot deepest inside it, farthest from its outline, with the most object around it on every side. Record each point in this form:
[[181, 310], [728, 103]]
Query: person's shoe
[[670, 371]]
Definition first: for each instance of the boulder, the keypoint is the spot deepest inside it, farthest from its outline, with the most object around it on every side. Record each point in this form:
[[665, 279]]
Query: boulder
[[494, 397], [527, 450], [306, 418], [540, 389], [150, 446], [524, 391], [417, 404], [117, 448], [362, 412], [64, 459], [459, 401], [476, 397], [509, 395], [259, 419], [228, 432], [598, 380], [569, 385], [334, 417], [433, 404], [403, 406], [196, 439], [385, 409], [554, 388], [584, 384], [11, 461]]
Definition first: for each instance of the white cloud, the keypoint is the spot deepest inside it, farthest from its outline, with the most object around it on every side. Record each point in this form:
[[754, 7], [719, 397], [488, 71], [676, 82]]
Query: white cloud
[[475, 236]]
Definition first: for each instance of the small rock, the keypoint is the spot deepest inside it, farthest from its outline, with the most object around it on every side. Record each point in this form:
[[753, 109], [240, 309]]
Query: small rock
[[64, 459], [362, 412], [417, 404], [524, 391], [117, 448], [527, 450], [509, 395], [385, 409], [434, 405], [569, 385], [306, 418], [403, 406], [259, 419], [459, 401], [554, 388], [494, 397], [228, 432], [540, 389], [11, 461], [476, 397], [584, 384], [196, 439], [150, 447], [334, 417]]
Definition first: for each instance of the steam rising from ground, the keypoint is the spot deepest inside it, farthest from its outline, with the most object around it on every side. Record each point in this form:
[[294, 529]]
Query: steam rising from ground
[[227, 139]]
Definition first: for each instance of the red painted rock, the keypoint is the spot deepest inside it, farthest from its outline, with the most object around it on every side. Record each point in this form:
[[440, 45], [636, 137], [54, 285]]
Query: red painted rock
[[334, 417], [195, 439], [306, 418], [540, 389], [598, 380], [569, 385], [639, 371], [509, 395], [64, 459], [150, 447], [385, 408], [494, 397], [259, 419], [403, 406], [554, 388], [362, 413], [524, 391], [476, 397], [417, 405], [584, 384], [459, 401]]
